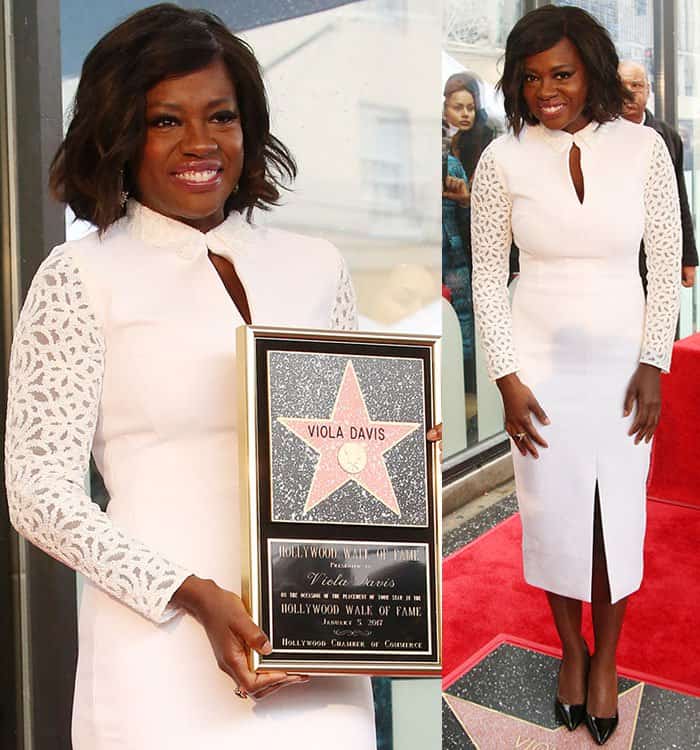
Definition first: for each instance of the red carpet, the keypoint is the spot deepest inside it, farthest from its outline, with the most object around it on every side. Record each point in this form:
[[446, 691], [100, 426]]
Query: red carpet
[[485, 597], [674, 474]]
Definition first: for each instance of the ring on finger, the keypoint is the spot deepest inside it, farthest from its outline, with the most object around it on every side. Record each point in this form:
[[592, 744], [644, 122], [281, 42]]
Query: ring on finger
[[240, 693], [520, 435]]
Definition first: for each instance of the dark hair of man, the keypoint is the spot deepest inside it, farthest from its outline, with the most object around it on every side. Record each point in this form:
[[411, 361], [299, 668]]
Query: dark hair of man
[[540, 30], [106, 135]]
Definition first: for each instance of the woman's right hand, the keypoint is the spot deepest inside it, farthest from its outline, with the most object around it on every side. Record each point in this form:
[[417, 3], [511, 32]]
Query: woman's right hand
[[518, 402], [231, 632]]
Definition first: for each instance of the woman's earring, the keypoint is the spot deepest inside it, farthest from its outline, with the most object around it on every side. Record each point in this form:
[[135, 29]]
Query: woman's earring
[[235, 189], [123, 194]]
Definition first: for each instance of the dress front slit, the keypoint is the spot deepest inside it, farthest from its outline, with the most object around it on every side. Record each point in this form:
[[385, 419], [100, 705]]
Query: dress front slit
[[577, 330], [598, 534]]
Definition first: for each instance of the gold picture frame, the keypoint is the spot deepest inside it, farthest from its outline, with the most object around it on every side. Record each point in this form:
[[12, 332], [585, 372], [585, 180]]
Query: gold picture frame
[[340, 496]]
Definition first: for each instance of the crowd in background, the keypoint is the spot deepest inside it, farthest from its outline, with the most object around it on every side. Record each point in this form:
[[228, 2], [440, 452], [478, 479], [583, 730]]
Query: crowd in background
[[466, 131]]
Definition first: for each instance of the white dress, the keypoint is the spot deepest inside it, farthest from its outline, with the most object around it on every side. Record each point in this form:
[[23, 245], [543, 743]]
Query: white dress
[[578, 327], [126, 345]]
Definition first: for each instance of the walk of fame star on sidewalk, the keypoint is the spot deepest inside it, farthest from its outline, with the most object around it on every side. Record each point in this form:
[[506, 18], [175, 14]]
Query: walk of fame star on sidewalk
[[492, 730], [351, 446]]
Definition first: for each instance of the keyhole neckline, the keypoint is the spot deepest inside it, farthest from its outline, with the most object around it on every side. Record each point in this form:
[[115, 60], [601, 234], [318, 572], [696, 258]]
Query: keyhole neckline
[[231, 275], [571, 163]]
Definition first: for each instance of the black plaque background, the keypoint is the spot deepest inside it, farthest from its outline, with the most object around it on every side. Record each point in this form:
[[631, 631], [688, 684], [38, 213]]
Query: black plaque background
[[310, 531], [358, 626]]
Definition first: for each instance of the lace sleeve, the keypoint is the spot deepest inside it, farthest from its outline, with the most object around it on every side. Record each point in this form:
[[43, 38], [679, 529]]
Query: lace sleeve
[[663, 248], [491, 242], [344, 313], [56, 370]]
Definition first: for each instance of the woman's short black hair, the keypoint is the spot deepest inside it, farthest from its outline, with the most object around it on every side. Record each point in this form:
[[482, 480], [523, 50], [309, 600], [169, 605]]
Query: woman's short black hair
[[540, 30], [107, 131]]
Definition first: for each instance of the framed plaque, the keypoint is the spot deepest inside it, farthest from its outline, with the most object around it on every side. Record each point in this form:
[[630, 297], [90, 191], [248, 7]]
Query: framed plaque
[[341, 499]]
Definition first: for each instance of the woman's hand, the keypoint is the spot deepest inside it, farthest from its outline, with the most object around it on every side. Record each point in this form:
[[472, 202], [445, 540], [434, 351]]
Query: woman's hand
[[457, 190], [434, 435], [644, 389], [231, 633], [518, 402]]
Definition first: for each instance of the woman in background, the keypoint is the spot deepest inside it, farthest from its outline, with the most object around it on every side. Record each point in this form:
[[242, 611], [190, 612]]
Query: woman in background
[[464, 122], [456, 273], [467, 118]]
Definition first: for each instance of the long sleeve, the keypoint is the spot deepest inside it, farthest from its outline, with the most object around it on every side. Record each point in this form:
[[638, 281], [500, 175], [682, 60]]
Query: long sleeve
[[662, 244], [344, 313], [56, 372], [491, 246]]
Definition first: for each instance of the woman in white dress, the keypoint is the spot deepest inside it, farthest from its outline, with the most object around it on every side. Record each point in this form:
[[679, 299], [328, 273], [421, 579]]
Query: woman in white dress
[[577, 188], [125, 346]]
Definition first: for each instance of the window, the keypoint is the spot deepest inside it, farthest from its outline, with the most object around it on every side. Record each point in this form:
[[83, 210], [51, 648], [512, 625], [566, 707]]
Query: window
[[473, 40], [385, 158]]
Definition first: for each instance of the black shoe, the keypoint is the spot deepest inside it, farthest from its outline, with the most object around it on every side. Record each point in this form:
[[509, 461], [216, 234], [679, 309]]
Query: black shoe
[[601, 729], [571, 715]]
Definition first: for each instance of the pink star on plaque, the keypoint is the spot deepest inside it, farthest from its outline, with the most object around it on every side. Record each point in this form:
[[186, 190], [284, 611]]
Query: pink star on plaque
[[350, 446], [489, 729]]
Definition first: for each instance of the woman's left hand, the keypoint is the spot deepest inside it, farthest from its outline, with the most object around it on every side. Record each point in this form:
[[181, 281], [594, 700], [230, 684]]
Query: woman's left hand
[[434, 435], [644, 389]]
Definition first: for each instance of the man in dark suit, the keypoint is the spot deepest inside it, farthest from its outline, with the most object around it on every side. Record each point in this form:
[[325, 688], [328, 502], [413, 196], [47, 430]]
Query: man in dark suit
[[634, 77]]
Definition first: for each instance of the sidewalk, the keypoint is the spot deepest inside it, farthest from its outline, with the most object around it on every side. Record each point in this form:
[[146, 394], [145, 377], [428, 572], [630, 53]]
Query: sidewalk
[[502, 695]]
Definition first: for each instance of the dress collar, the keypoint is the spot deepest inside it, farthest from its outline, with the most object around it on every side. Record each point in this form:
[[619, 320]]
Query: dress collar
[[233, 237], [560, 140]]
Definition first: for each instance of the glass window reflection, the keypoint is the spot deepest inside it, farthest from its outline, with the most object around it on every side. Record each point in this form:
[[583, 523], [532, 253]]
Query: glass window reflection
[[472, 116]]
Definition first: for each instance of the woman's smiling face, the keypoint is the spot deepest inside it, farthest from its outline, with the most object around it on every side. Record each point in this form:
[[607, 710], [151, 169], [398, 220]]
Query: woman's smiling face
[[555, 87], [192, 157]]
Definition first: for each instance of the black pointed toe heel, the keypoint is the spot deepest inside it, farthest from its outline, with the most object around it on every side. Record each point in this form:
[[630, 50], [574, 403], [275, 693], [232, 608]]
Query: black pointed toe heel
[[571, 714], [601, 729]]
